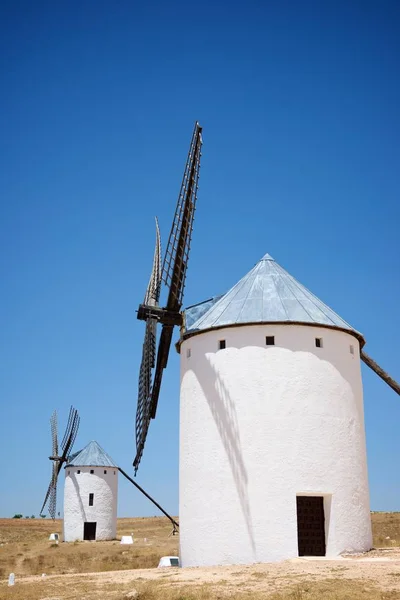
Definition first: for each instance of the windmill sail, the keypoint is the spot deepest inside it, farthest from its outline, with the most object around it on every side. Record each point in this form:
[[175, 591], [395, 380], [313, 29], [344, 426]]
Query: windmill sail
[[149, 349], [68, 440], [380, 372], [178, 247], [174, 276], [177, 255]]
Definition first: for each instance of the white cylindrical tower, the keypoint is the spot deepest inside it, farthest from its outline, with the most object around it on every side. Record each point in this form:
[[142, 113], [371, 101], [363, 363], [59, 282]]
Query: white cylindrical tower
[[272, 443], [90, 496]]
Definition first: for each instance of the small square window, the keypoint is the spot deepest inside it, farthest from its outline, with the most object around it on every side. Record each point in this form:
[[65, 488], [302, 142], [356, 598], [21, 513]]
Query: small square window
[[114, 472], [105, 471], [270, 340], [69, 472], [78, 471], [318, 342], [222, 344], [351, 349], [91, 499], [91, 471], [188, 353]]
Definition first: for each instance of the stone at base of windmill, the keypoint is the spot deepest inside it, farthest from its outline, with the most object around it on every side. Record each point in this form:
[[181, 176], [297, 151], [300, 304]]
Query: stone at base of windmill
[[169, 561], [126, 539]]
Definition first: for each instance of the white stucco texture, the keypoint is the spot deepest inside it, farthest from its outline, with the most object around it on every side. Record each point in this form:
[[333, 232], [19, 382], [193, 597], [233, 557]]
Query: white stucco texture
[[260, 425], [76, 502]]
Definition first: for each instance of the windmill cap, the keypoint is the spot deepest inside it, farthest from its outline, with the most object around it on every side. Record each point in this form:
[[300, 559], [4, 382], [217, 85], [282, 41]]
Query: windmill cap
[[266, 294], [92, 455]]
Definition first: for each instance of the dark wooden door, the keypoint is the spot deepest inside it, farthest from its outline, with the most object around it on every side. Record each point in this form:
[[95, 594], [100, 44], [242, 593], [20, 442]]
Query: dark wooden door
[[311, 525], [89, 531]]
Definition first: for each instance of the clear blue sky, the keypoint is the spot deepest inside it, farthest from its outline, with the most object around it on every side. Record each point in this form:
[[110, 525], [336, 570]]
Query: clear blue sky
[[299, 102]]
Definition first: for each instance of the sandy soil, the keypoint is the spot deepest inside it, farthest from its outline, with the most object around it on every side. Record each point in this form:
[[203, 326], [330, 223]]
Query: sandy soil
[[380, 568], [106, 570]]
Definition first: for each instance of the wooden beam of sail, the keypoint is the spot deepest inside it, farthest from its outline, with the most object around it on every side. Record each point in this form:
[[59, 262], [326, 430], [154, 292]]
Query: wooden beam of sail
[[379, 371]]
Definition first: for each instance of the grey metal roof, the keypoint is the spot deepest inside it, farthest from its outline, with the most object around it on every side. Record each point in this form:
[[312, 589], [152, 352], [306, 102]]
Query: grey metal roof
[[193, 313], [267, 294], [92, 455]]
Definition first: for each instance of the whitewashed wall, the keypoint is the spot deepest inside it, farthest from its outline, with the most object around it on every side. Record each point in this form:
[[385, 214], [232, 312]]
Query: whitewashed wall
[[261, 424], [76, 502]]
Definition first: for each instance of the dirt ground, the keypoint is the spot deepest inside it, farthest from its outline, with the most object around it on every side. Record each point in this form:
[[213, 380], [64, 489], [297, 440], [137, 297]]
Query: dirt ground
[[93, 571], [27, 550]]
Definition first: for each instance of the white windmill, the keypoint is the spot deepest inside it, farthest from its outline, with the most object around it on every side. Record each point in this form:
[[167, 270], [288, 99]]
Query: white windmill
[[91, 487], [90, 495], [272, 442]]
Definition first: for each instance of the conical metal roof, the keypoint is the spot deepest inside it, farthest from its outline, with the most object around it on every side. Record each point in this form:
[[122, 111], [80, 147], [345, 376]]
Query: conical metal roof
[[92, 455], [267, 294]]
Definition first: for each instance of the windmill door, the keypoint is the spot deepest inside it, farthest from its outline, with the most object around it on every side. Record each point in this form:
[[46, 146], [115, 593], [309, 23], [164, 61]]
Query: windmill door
[[89, 531], [311, 525]]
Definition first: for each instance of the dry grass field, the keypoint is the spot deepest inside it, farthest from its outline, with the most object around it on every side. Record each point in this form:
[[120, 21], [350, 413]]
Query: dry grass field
[[386, 529], [97, 570], [27, 550]]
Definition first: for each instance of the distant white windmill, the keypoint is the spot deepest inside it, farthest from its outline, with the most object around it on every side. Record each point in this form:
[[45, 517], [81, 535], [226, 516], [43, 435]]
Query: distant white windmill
[[90, 495], [91, 487]]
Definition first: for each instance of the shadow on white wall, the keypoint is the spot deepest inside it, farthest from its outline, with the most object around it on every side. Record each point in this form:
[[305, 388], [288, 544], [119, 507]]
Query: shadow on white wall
[[224, 414]]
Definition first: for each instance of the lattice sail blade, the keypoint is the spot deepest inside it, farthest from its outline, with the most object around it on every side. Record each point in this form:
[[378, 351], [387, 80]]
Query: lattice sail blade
[[68, 440], [68, 427], [53, 492], [177, 254], [174, 276], [148, 353], [143, 411], [154, 287], [72, 428], [162, 361], [178, 247], [54, 439], [46, 496]]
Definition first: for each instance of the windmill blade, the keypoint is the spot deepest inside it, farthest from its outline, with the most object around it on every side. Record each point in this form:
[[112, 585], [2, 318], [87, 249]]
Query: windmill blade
[[68, 440], [53, 492], [379, 371], [54, 449], [177, 255], [148, 353], [144, 391], [54, 439], [68, 427], [73, 425], [46, 496], [174, 276], [178, 247], [154, 286], [162, 361]]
